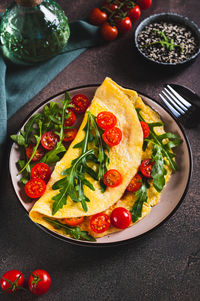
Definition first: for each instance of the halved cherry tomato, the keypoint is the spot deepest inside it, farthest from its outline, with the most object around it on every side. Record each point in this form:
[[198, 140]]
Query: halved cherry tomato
[[134, 13], [112, 136], [135, 183], [35, 188], [39, 282], [106, 120], [12, 281], [109, 32], [145, 129], [74, 221], [100, 222], [80, 103], [146, 167], [124, 25], [69, 134], [144, 4], [97, 16], [49, 140], [38, 154], [41, 171], [112, 178], [120, 218], [71, 119]]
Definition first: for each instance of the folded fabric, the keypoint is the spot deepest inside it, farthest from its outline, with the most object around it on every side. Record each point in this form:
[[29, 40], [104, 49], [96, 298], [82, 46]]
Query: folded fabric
[[18, 84]]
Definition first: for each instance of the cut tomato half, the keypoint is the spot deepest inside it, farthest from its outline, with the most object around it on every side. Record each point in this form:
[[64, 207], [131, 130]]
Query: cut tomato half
[[112, 178], [41, 171], [135, 183], [100, 222], [49, 140], [38, 154], [35, 188], [69, 134], [112, 136], [106, 120], [146, 167], [145, 129], [80, 103], [74, 221]]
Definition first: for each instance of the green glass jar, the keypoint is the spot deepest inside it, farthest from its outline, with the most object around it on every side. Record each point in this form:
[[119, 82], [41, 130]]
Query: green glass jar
[[32, 31]]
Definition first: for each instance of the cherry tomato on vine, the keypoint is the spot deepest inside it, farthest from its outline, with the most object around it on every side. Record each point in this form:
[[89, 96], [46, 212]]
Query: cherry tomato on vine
[[124, 25], [112, 136], [100, 222], [38, 154], [35, 188], [145, 129], [112, 178], [12, 281], [71, 119], [39, 282], [41, 171], [74, 221], [144, 4], [109, 32], [135, 183], [69, 134], [120, 218], [106, 120], [146, 167], [97, 16], [49, 140], [109, 7], [80, 103], [134, 13]]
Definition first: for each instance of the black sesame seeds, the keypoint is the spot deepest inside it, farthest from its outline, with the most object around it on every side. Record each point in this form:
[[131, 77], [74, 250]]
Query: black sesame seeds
[[149, 42]]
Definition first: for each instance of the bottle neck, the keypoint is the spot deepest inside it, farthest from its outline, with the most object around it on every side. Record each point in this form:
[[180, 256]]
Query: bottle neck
[[29, 3]]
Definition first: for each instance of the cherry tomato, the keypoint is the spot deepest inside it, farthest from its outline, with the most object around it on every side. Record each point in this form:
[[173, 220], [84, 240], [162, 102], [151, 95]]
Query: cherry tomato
[[120, 218], [112, 136], [35, 188], [106, 120], [49, 140], [145, 129], [112, 178], [97, 16], [108, 32], [38, 154], [109, 7], [146, 167], [39, 282], [12, 281], [135, 183], [144, 4], [71, 119], [134, 13], [41, 171], [69, 135], [100, 222], [80, 103], [74, 221], [124, 25]]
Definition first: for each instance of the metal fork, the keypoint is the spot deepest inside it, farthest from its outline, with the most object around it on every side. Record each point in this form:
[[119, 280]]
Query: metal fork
[[182, 109]]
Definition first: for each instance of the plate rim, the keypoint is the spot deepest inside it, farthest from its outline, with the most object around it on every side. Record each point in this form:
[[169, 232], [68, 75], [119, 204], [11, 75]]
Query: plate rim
[[125, 241]]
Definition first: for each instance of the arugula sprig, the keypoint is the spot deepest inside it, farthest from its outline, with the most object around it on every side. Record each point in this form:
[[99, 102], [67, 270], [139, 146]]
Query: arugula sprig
[[141, 195], [75, 232]]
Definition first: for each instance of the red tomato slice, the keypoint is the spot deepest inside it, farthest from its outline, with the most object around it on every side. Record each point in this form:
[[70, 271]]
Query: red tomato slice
[[146, 167], [71, 119], [49, 140], [112, 136], [74, 221], [80, 103], [112, 178], [145, 129], [38, 154], [106, 120], [120, 218], [100, 222], [12, 281], [35, 188], [135, 183], [69, 134], [41, 171]]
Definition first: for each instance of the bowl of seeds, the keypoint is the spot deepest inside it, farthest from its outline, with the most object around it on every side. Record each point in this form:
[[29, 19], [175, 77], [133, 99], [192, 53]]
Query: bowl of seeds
[[168, 39]]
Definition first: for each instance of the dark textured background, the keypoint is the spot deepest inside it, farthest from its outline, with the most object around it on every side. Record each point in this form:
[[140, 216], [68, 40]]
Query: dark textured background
[[165, 264]]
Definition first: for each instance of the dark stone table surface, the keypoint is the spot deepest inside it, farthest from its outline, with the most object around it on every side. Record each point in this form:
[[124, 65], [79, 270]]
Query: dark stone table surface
[[165, 264]]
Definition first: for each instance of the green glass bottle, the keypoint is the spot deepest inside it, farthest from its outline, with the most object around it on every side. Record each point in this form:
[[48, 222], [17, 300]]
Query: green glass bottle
[[32, 31]]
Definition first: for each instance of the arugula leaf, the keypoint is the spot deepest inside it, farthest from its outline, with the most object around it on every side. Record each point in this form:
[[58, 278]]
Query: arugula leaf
[[158, 171], [141, 194], [52, 156], [19, 139], [29, 128], [75, 232]]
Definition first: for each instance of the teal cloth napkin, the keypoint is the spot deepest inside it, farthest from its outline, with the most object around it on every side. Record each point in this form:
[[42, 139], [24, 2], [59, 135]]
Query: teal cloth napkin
[[19, 84]]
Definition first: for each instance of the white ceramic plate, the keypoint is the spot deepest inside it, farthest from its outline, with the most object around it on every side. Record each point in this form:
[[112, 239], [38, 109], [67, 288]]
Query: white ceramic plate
[[171, 196]]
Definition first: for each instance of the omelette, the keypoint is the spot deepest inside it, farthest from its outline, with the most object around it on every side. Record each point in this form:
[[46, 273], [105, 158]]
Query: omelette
[[126, 157]]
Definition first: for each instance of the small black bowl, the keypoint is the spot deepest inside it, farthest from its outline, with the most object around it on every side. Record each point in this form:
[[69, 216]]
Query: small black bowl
[[173, 18]]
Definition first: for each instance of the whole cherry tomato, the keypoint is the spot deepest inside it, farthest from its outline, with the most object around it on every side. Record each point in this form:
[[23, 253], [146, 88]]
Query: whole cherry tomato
[[38, 154], [112, 136], [71, 119], [146, 167], [12, 281], [106, 120], [39, 282], [144, 4], [35, 188], [124, 25], [49, 140], [120, 218], [69, 135], [109, 32], [97, 16], [41, 171], [135, 183], [80, 103], [134, 13], [109, 7], [74, 221], [100, 222], [112, 178], [145, 129]]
